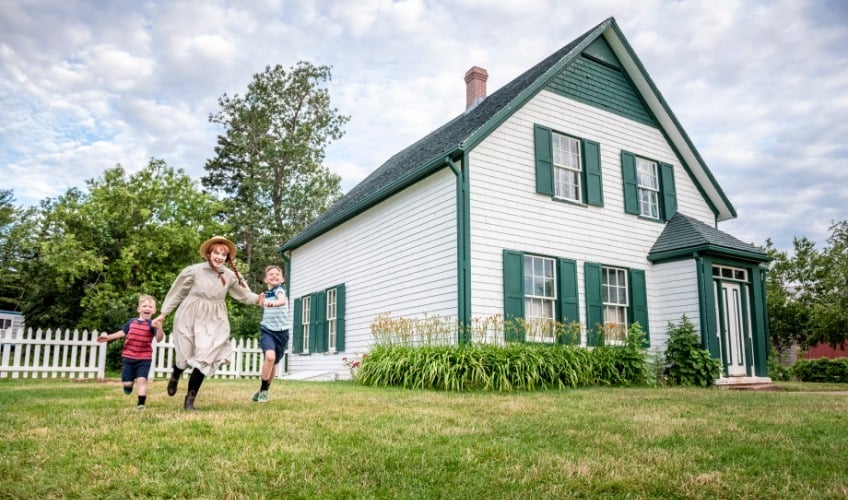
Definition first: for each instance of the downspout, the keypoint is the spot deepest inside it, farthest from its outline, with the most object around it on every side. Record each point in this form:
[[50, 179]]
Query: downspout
[[463, 242]]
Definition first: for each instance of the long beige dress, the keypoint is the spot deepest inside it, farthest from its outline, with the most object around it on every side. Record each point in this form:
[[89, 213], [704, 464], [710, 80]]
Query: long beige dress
[[201, 333]]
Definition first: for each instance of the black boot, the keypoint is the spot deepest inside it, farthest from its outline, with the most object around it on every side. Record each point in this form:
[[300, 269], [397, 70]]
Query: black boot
[[172, 385], [188, 404], [176, 373]]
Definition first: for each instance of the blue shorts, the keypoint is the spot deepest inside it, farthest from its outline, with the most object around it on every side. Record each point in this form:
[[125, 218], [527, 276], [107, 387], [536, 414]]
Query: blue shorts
[[272, 340], [135, 368]]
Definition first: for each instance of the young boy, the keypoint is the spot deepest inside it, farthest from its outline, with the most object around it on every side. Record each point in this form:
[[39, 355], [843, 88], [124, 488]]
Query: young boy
[[138, 348], [274, 329]]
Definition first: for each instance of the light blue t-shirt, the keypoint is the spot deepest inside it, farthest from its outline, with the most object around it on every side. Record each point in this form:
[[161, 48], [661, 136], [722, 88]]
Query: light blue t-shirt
[[276, 318]]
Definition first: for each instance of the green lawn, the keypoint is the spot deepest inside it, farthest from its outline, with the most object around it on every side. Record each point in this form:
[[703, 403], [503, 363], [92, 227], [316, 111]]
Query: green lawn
[[338, 440]]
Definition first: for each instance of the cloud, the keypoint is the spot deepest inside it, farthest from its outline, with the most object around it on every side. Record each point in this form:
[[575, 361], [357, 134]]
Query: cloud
[[761, 87]]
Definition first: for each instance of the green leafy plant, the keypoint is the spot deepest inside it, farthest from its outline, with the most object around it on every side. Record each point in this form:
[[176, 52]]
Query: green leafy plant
[[821, 370], [687, 363]]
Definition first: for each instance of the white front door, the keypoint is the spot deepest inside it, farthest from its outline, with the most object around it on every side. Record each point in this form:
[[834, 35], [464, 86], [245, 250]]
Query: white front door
[[733, 323]]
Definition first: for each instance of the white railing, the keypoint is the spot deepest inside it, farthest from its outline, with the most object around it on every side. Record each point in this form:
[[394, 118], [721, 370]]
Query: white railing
[[75, 354]]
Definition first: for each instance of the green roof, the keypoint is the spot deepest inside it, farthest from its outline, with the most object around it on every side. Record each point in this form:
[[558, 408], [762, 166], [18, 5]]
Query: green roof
[[684, 236], [450, 141]]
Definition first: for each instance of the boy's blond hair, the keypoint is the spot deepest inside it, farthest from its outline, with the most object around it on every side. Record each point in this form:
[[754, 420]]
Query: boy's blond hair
[[145, 298], [273, 266]]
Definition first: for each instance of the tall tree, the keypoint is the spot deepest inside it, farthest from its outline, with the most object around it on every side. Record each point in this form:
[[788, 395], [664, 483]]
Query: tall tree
[[128, 235], [268, 162], [830, 313], [16, 243]]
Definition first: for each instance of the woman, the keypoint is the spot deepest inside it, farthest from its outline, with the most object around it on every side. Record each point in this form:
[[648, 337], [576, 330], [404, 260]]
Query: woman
[[201, 333]]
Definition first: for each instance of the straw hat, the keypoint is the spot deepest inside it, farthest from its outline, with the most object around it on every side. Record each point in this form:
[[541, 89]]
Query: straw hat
[[204, 248]]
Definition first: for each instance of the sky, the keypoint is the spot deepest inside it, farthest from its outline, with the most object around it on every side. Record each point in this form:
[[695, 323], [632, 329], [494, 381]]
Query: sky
[[760, 86]]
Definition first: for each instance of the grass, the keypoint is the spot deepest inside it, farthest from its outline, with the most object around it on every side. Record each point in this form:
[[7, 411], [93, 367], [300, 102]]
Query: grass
[[339, 440]]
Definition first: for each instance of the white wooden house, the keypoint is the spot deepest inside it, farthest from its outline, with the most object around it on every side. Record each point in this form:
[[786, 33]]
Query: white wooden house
[[571, 194]]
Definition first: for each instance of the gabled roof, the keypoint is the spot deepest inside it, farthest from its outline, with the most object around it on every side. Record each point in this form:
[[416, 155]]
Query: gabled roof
[[684, 236], [450, 141]]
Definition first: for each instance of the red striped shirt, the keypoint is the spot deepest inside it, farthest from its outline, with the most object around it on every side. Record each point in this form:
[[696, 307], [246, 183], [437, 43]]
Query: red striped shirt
[[139, 341]]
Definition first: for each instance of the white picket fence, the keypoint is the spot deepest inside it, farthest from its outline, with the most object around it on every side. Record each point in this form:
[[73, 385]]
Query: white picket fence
[[67, 354]]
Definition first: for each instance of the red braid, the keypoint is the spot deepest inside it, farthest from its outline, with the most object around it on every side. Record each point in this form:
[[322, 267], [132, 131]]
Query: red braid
[[233, 267]]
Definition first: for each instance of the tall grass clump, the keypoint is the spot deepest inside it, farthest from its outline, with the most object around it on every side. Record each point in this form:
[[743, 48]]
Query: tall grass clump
[[413, 360]]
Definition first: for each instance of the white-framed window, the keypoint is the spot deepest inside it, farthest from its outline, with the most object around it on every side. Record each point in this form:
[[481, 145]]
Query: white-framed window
[[730, 273], [648, 186], [305, 315], [614, 292], [539, 298], [5, 324], [568, 167], [332, 316]]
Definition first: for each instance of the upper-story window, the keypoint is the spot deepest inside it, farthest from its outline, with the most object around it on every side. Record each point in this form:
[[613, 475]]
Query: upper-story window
[[649, 188], [568, 168]]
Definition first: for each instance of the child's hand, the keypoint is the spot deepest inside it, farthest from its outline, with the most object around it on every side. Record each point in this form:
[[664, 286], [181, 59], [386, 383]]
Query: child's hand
[[103, 338]]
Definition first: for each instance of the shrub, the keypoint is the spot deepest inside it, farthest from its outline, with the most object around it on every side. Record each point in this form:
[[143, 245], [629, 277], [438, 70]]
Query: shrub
[[821, 370], [686, 362], [514, 366]]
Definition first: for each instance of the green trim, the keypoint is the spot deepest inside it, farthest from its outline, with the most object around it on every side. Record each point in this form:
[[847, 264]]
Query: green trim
[[593, 185], [604, 87], [626, 45], [592, 283], [668, 191], [639, 302], [463, 250], [748, 257], [568, 300], [630, 186], [543, 153], [754, 301], [513, 292], [297, 326], [340, 317]]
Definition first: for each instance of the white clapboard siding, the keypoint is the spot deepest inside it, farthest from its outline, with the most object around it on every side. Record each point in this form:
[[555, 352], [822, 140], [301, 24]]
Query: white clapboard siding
[[507, 213], [674, 293], [398, 257]]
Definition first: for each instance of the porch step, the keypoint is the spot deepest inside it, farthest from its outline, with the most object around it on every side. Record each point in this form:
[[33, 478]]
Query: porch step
[[752, 387]]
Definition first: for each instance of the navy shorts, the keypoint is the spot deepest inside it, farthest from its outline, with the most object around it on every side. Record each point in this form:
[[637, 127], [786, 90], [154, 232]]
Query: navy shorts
[[272, 340], [135, 368]]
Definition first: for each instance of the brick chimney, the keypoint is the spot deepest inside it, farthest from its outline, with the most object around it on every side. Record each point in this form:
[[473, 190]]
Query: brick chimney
[[475, 86]]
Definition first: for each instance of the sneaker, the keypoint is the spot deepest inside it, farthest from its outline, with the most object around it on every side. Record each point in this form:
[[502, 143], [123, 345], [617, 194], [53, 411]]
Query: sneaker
[[263, 397], [139, 408], [255, 397]]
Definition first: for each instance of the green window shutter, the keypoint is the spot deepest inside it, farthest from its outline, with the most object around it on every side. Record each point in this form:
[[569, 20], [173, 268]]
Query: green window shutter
[[631, 191], [594, 191], [544, 160], [594, 302], [297, 327], [318, 341], [639, 301], [513, 284], [340, 318], [569, 306], [669, 192]]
